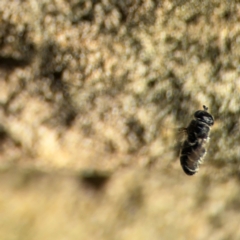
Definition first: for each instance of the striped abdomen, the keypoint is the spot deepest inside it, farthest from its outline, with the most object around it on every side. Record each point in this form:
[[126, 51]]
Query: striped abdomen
[[192, 155]]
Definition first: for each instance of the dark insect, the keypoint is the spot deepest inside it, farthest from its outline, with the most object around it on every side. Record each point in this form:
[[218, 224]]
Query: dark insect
[[194, 147]]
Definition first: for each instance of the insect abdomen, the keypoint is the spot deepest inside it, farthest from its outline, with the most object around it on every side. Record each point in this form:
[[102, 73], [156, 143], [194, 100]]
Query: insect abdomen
[[192, 156], [185, 165]]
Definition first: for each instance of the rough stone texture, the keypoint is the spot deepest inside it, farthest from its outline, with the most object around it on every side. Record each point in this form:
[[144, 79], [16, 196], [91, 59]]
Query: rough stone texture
[[91, 96]]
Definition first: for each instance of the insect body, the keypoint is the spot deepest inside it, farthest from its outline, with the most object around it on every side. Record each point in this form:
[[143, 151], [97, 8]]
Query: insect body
[[194, 147]]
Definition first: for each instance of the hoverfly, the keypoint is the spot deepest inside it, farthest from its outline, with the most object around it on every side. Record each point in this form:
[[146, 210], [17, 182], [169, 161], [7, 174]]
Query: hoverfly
[[194, 147]]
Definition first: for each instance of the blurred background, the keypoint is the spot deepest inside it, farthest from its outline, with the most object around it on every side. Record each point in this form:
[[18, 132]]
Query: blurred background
[[92, 94]]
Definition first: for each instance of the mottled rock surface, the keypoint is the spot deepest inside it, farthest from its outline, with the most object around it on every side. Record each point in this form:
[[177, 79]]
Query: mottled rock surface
[[92, 94]]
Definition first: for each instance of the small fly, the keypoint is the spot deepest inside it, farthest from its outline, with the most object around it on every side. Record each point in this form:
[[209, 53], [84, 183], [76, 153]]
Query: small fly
[[194, 147]]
